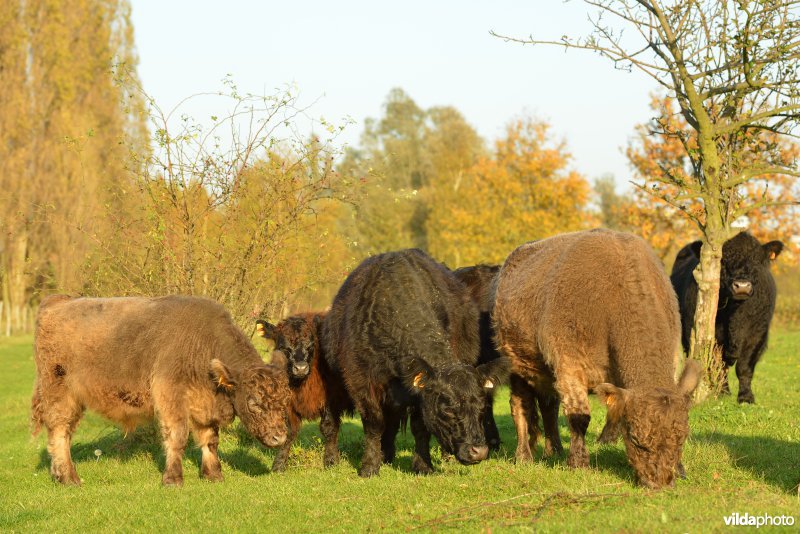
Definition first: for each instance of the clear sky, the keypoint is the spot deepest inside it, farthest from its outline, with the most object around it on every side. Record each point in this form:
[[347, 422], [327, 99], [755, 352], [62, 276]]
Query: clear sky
[[349, 54]]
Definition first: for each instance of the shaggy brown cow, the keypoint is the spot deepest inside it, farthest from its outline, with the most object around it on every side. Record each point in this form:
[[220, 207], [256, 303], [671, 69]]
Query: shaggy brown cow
[[317, 390], [584, 310], [129, 359]]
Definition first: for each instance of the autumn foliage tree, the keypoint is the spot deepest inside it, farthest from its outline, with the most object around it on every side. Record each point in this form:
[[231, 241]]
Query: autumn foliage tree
[[247, 219], [653, 156], [523, 191], [62, 119], [733, 71]]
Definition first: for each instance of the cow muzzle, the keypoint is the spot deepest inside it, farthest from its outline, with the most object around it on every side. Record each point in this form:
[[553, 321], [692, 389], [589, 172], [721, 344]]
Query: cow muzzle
[[276, 440], [741, 289], [472, 454], [300, 369]]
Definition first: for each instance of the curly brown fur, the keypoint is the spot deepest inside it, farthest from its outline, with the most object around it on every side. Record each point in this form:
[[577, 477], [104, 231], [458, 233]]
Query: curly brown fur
[[579, 310], [180, 359], [317, 391]]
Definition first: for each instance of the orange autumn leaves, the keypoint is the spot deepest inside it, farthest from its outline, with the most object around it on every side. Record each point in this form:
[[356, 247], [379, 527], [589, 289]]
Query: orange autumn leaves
[[653, 157], [522, 191]]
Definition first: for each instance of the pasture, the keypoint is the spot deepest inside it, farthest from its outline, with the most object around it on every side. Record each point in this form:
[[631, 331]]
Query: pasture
[[743, 459]]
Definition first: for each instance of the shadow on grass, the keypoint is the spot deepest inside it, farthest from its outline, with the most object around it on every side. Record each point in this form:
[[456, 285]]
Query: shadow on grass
[[775, 461], [147, 439]]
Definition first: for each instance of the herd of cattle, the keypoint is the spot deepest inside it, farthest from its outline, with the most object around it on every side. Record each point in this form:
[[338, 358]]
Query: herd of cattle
[[406, 340]]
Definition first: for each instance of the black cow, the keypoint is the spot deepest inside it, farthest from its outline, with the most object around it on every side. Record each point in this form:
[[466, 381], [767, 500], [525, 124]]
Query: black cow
[[479, 280], [403, 331], [746, 302]]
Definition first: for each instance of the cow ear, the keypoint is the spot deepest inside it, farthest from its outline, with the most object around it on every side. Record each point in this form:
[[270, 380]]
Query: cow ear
[[495, 372], [690, 377], [773, 249], [318, 323], [278, 359], [614, 398], [695, 247], [223, 375], [420, 374], [266, 330]]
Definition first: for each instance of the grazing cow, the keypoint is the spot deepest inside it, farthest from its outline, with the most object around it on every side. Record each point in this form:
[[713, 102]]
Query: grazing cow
[[746, 302], [594, 310], [479, 280], [404, 332], [317, 390], [130, 359]]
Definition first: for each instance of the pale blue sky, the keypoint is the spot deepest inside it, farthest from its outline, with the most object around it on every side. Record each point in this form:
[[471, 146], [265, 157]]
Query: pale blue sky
[[349, 54]]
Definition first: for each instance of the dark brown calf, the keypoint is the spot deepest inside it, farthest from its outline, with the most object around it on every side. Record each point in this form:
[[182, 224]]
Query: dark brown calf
[[131, 359], [317, 391]]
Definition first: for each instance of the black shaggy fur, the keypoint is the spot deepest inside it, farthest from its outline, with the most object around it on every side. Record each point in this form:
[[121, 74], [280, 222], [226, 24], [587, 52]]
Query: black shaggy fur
[[746, 301], [479, 280], [403, 331]]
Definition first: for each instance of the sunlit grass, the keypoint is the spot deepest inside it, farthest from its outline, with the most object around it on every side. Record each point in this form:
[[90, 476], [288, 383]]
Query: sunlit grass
[[738, 458]]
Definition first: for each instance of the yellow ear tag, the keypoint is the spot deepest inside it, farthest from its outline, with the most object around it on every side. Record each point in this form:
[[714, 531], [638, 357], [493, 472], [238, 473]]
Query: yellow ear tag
[[260, 329], [610, 401], [224, 383], [418, 381], [772, 256]]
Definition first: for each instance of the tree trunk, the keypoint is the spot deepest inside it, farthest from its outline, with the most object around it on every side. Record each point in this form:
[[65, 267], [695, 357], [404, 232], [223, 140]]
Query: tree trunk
[[16, 280]]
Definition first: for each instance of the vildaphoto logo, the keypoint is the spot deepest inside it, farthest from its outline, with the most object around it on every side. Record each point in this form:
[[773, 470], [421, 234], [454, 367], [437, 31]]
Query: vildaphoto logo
[[747, 520]]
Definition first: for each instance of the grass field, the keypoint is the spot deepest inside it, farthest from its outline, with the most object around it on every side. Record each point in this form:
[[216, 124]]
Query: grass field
[[738, 459]]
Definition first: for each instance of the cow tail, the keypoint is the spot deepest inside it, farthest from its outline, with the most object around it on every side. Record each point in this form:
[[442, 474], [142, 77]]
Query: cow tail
[[37, 409]]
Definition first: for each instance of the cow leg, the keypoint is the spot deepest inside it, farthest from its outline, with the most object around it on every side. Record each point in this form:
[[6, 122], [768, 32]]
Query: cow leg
[[525, 416], [372, 421], [207, 438], [329, 427], [175, 433], [745, 367], [489, 425], [61, 419], [548, 406], [392, 418], [279, 463], [421, 464], [575, 397]]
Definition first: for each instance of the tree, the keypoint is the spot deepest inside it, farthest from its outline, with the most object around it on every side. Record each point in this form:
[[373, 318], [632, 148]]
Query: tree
[[62, 116], [247, 220], [649, 155], [732, 68], [522, 192], [405, 156]]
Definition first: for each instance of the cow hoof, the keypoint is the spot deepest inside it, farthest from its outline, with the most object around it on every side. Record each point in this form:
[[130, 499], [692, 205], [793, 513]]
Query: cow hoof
[[68, 477], [747, 399], [175, 481], [213, 477], [420, 467], [578, 461], [330, 459], [279, 467], [367, 471], [523, 457]]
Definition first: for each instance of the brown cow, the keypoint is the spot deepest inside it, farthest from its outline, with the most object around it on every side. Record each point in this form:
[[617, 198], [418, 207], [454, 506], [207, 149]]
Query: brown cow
[[584, 310], [317, 390], [129, 359]]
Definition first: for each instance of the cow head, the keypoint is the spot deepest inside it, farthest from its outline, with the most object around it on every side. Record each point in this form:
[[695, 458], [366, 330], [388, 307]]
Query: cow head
[[452, 401], [260, 396], [655, 424], [298, 339], [744, 262]]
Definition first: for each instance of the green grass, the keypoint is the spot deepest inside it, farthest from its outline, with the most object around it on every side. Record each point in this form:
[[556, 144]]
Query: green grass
[[738, 458]]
